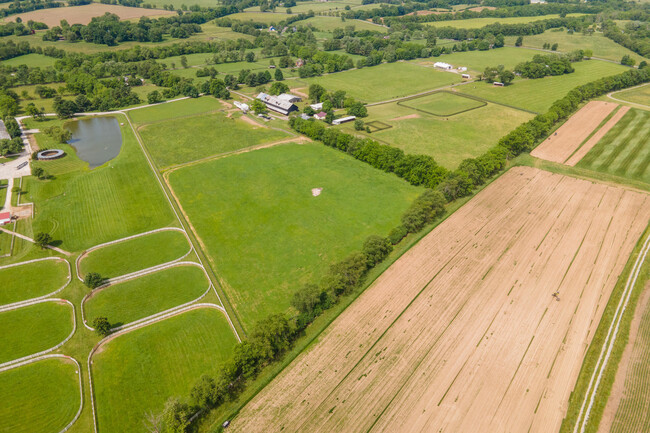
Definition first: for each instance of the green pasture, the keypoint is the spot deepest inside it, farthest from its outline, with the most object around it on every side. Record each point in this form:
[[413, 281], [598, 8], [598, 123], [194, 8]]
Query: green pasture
[[32, 280], [639, 95], [449, 140], [477, 61], [539, 94], [184, 140], [175, 110], [138, 371], [260, 17], [135, 254], [141, 297], [28, 95], [40, 397], [476, 23], [273, 236], [88, 207], [56, 167], [625, 149], [317, 6], [443, 104], [328, 24], [31, 60], [385, 81], [34, 328], [601, 46]]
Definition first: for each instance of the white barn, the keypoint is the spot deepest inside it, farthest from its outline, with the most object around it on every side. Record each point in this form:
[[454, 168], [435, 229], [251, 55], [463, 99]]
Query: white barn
[[442, 65]]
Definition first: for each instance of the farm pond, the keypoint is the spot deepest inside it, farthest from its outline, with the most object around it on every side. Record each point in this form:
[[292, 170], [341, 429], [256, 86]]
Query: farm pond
[[97, 140]]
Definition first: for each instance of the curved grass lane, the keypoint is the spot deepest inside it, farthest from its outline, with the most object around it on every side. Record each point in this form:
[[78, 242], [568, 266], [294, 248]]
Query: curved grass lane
[[34, 328], [135, 254], [141, 297], [31, 280], [137, 372], [40, 397]]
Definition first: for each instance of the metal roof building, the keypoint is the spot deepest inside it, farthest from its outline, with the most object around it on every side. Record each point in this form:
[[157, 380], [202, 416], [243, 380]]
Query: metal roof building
[[277, 105]]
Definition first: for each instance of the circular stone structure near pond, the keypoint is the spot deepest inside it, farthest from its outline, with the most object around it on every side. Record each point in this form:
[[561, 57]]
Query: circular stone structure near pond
[[50, 154]]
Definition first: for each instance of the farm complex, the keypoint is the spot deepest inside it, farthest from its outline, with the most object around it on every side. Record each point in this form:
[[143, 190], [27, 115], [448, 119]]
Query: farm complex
[[324, 216]]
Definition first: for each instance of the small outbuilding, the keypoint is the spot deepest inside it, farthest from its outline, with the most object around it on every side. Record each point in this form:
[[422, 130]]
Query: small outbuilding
[[343, 120], [320, 116], [465, 76], [5, 218], [243, 107], [498, 84], [443, 65], [316, 107]]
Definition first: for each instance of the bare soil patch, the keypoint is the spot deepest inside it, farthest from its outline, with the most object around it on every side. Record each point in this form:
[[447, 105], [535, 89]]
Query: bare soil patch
[[561, 145], [462, 333], [597, 136], [410, 116], [298, 91], [83, 14], [480, 8], [252, 122]]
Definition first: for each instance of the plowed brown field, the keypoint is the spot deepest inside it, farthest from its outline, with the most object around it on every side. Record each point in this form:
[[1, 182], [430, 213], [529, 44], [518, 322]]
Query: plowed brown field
[[560, 146], [83, 14], [462, 333]]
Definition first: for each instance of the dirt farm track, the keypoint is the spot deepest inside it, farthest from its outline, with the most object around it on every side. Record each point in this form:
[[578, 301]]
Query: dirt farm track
[[462, 333]]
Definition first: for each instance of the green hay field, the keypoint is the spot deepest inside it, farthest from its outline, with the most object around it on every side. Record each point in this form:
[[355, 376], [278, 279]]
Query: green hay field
[[273, 236], [137, 372], [386, 81], [34, 328], [640, 95], [135, 299], [328, 24], [88, 207], [477, 61], [539, 94], [31, 280], [135, 254], [448, 140], [442, 104], [39, 397], [625, 149], [475, 23], [260, 17], [188, 139], [31, 60], [175, 109]]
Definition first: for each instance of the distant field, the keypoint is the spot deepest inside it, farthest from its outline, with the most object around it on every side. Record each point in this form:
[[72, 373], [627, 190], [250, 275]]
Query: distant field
[[386, 81], [83, 14], [39, 397], [30, 329], [88, 207], [141, 297], [625, 149], [640, 95], [475, 23], [31, 60], [319, 6], [32, 280], [477, 61], [600, 45], [135, 254], [137, 372], [191, 138], [448, 139], [328, 24], [273, 236], [176, 109], [539, 94], [260, 17]]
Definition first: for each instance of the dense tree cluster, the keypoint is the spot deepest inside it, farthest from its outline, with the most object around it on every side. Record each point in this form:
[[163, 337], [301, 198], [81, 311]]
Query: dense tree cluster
[[635, 37], [544, 65]]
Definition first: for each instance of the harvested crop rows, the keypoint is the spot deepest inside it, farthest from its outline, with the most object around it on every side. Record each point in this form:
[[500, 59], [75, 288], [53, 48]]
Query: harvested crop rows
[[568, 138], [462, 334]]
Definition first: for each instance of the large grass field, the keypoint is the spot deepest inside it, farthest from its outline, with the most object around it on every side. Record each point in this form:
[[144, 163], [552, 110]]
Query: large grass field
[[34, 328], [175, 109], [88, 207], [477, 61], [625, 149], [539, 94], [40, 397], [31, 280], [475, 23], [273, 236], [137, 372], [386, 81], [448, 139], [640, 95], [260, 17], [601, 46], [135, 254], [443, 104], [141, 297], [188, 139], [328, 24], [31, 60]]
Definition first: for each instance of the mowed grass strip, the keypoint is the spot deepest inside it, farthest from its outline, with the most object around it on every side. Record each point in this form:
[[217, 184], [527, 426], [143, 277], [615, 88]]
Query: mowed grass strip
[[89, 207], [386, 81], [135, 254], [30, 60], [34, 328], [640, 95], [40, 397], [265, 232], [539, 94], [443, 104], [625, 149], [141, 297], [32, 280], [175, 109], [188, 139], [137, 372]]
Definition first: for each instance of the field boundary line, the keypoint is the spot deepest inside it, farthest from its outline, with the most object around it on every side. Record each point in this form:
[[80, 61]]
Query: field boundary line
[[608, 344], [18, 304], [43, 352], [53, 356], [133, 328]]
